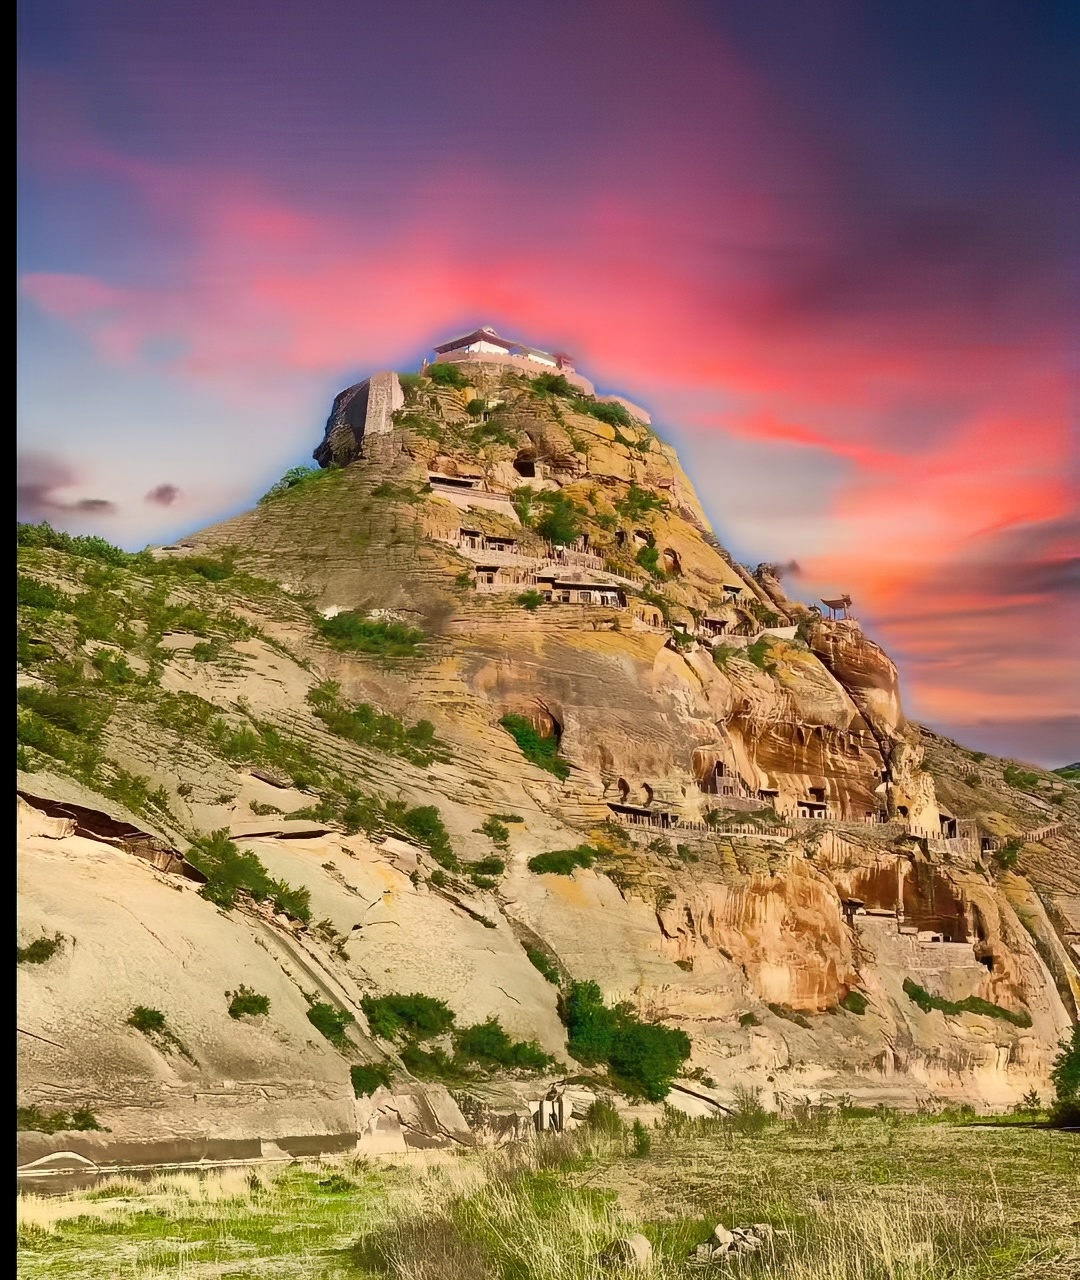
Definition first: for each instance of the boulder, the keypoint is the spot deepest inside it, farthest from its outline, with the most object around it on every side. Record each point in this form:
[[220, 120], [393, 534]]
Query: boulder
[[633, 1251]]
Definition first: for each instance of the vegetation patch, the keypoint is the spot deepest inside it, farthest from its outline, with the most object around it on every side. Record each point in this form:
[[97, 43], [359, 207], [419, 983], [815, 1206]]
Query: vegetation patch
[[544, 965], [538, 750], [855, 1002], [637, 503], [424, 823], [649, 560], [1022, 779], [973, 1004], [496, 830], [232, 873], [1008, 854], [563, 862], [245, 1002], [363, 724], [644, 1057], [488, 1044], [351, 631], [41, 949], [561, 521], [531, 600], [417, 1016], [297, 479], [155, 1026], [445, 374], [368, 1076], [1065, 1076], [34, 1119], [760, 654], [331, 1022]]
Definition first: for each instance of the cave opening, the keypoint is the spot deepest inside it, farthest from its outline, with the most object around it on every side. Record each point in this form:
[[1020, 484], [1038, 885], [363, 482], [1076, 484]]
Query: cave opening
[[525, 465]]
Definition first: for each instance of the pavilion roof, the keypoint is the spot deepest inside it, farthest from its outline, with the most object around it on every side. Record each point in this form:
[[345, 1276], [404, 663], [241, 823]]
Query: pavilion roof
[[478, 335]]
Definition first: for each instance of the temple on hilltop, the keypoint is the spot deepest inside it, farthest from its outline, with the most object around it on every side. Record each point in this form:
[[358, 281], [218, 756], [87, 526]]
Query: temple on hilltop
[[486, 341], [486, 346], [367, 408]]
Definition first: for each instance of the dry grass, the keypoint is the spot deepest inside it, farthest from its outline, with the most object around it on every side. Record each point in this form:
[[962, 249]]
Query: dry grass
[[865, 1200]]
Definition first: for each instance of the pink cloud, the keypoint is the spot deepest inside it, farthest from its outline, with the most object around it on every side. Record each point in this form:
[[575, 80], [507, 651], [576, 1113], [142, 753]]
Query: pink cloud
[[272, 294]]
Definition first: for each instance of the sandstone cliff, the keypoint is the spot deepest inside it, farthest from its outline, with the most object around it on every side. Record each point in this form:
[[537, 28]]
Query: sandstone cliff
[[778, 848]]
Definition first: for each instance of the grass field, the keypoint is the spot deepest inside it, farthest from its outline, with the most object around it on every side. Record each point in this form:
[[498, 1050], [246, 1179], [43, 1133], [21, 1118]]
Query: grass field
[[851, 1199]]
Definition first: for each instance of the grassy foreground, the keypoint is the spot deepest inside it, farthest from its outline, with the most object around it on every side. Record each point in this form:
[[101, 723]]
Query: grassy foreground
[[854, 1199]]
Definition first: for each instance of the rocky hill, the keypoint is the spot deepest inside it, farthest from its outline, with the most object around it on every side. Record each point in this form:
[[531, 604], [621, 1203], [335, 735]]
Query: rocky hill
[[480, 709]]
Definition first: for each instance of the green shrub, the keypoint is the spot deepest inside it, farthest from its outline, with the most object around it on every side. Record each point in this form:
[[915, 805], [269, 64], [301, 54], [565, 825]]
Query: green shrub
[[613, 413], [488, 867], [231, 872], [146, 1020], [538, 750], [296, 478], [292, 902], [34, 1119], [641, 1140], [496, 830], [649, 559], [416, 1015], [369, 1076], [554, 384], [563, 862], [247, 1003], [86, 547], [114, 668], [646, 1057], [531, 600], [154, 1025], [41, 949], [855, 1002], [972, 1004], [332, 1023], [601, 1117], [748, 1116], [638, 502], [543, 963], [488, 1044], [1022, 779], [1065, 1076], [476, 407], [433, 1065], [424, 823], [447, 375], [351, 631], [1008, 855], [561, 521], [39, 595], [74, 713]]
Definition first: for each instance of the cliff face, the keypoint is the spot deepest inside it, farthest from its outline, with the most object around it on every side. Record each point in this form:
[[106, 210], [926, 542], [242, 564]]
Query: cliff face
[[769, 831]]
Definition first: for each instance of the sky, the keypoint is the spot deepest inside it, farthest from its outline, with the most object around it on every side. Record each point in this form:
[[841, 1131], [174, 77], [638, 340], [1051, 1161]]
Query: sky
[[833, 246]]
